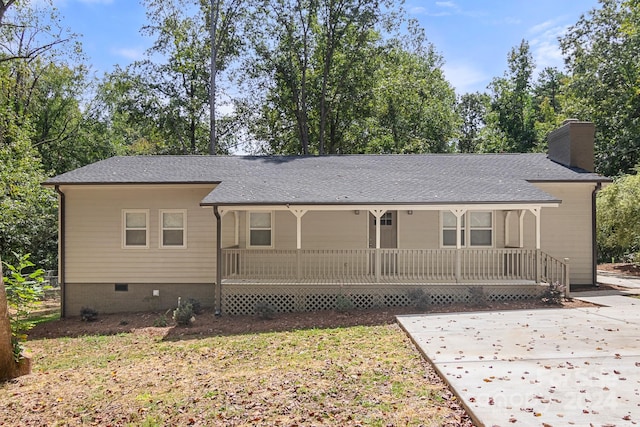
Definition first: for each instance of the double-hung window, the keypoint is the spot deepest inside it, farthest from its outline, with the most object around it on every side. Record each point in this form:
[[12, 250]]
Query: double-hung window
[[260, 229], [476, 229], [173, 228], [449, 229], [480, 229], [135, 228]]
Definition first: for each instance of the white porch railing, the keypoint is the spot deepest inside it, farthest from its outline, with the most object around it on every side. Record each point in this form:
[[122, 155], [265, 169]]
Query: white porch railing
[[372, 265]]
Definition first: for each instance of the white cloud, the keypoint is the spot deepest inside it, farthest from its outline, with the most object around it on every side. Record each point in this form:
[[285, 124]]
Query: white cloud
[[465, 77], [544, 44], [132, 54], [418, 10], [447, 4]]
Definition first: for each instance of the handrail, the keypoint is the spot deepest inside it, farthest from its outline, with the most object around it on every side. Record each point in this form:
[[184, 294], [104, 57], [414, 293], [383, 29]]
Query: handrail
[[555, 271], [437, 265]]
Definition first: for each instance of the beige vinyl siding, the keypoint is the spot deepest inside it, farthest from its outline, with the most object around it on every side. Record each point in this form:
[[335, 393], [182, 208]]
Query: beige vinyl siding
[[420, 230], [334, 230], [320, 230], [566, 230], [94, 248]]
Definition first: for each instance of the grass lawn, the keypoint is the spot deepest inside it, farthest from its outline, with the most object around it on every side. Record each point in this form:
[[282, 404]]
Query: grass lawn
[[359, 375]]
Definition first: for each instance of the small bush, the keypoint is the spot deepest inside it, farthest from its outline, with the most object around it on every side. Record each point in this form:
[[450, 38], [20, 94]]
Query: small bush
[[183, 314], [477, 295], [88, 314], [344, 303], [419, 299], [554, 294], [25, 286], [195, 305], [265, 311], [160, 322]]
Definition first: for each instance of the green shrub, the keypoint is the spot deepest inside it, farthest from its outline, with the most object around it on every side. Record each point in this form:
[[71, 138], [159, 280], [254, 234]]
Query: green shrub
[[477, 295], [554, 294], [265, 311], [618, 220], [88, 314], [344, 303], [419, 299], [183, 314], [25, 287], [195, 305]]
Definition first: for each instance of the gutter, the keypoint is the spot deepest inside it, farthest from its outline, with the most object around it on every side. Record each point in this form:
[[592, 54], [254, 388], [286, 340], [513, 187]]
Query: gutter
[[218, 297], [594, 231], [62, 226]]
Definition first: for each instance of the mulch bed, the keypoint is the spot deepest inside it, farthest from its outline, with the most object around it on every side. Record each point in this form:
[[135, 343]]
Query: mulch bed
[[207, 324], [625, 269]]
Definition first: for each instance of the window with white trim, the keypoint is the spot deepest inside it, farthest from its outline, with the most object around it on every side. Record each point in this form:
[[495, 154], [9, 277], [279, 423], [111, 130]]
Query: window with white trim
[[481, 229], [449, 221], [173, 228], [260, 229], [476, 229], [135, 228]]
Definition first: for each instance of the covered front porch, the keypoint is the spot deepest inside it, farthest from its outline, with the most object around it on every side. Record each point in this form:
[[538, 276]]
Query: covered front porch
[[443, 251]]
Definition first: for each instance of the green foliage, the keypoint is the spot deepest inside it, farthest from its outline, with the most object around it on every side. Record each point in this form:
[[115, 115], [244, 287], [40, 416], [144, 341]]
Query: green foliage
[[195, 305], [183, 314], [512, 103], [419, 298], [338, 82], [344, 303], [25, 286], [473, 109], [553, 294], [28, 212], [602, 55], [265, 311], [618, 220], [88, 314]]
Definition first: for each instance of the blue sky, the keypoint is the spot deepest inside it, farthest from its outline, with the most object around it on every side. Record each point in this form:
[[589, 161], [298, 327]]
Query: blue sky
[[474, 36]]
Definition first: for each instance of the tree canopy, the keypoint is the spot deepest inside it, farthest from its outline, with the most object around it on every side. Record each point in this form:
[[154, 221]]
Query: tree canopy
[[297, 77]]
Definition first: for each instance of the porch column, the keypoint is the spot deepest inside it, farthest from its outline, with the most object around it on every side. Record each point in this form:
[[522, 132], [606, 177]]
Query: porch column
[[299, 213], [521, 228], [459, 214], [377, 213], [536, 213], [236, 225]]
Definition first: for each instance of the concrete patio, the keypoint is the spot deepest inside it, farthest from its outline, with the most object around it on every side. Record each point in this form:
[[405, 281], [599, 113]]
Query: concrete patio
[[552, 367]]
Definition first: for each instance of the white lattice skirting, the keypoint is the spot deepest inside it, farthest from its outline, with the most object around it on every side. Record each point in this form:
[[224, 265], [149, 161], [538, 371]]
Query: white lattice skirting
[[243, 299]]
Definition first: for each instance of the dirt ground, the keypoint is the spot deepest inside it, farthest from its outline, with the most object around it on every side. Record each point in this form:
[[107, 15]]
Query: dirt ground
[[206, 324], [625, 269]]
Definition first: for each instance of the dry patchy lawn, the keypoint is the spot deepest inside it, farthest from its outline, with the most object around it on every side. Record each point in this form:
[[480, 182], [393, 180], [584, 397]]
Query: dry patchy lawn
[[352, 375]]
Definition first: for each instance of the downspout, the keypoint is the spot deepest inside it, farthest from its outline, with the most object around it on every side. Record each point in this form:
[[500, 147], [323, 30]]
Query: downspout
[[594, 231], [61, 251], [218, 303]]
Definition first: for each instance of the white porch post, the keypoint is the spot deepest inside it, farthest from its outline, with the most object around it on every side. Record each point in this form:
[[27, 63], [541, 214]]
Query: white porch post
[[299, 213], [459, 214], [377, 213], [236, 224], [536, 213], [521, 229]]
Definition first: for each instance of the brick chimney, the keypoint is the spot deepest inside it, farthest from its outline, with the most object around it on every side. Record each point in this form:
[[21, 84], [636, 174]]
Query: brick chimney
[[572, 144]]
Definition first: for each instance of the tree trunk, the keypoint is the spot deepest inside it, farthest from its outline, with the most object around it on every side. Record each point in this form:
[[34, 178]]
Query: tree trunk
[[213, 29], [8, 367]]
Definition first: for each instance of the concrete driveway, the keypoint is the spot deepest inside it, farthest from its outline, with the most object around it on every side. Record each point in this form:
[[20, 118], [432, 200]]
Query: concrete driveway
[[549, 367]]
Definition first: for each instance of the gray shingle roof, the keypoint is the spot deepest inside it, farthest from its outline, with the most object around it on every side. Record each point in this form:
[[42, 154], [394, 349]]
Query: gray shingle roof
[[354, 179]]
